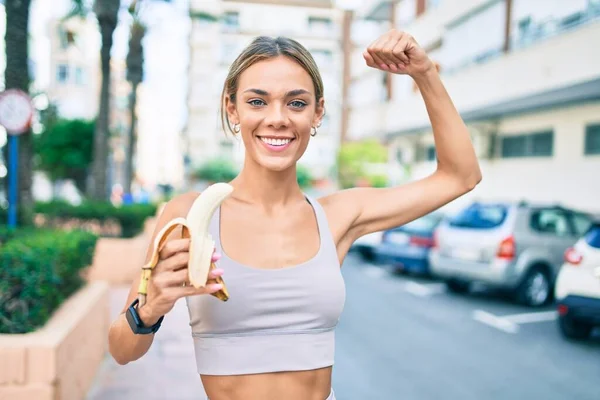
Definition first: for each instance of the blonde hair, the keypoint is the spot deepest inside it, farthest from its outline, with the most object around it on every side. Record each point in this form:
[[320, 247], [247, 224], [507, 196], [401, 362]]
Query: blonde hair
[[264, 48]]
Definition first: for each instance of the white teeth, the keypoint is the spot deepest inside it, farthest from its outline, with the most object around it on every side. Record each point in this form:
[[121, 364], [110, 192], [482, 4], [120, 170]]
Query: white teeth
[[275, 142]]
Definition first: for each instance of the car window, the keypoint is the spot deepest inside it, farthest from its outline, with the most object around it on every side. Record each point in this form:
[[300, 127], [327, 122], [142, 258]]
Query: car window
[[550, 221], [422, 225], [581, 223], [592, 237], [480, 216]]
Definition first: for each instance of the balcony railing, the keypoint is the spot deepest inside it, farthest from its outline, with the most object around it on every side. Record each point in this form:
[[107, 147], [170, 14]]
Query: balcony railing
[[528, 33]]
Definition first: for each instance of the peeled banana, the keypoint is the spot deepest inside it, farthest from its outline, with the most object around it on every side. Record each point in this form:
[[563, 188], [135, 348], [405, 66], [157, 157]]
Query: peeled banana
[[195, 226]]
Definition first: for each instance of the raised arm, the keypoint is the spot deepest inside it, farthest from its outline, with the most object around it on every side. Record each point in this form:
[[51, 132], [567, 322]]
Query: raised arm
[[375, 209]]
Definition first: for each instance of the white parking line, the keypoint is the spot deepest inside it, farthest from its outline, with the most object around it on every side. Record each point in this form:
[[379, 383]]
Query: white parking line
[[495, 321], [532, 317], [373, 271], [421, 290]]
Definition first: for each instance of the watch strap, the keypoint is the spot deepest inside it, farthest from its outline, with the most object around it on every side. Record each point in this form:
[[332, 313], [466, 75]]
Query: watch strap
[[136, 323]]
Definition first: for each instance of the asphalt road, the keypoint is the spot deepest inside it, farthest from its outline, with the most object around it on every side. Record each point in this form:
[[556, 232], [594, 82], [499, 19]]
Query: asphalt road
[[407, 338]]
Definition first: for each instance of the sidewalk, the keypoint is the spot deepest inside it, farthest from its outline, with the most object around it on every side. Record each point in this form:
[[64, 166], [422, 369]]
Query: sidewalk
[[166, 372]]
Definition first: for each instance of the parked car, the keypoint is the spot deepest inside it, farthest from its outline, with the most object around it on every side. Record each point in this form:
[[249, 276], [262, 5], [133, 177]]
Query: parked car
[[364, 245], [514, 246], [407, 247], [578, 286]]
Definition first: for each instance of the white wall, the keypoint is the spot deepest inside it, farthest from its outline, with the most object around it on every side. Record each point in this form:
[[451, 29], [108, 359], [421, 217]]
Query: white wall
[[568, 177], [478, 34]]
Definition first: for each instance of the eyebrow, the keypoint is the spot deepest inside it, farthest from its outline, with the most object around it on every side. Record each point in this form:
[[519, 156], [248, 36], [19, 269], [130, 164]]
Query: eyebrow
[[291, 93]]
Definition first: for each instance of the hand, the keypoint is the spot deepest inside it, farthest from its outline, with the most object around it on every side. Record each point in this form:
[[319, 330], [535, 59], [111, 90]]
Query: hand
[[169, 275], [399, 53]]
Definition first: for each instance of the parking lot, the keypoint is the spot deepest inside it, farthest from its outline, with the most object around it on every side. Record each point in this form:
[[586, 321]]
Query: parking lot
[[403, 337]]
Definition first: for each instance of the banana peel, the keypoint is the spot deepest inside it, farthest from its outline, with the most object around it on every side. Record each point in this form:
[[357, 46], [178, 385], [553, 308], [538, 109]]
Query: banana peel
[[194, 226]]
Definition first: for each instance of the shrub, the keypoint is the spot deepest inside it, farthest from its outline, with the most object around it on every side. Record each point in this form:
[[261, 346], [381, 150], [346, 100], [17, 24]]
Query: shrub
[[38, 271], [217, 170], [130, 218], [303, 176]]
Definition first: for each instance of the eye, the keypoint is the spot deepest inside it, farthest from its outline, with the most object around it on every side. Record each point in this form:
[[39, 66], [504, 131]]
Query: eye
[[298, 104], [256, 102]]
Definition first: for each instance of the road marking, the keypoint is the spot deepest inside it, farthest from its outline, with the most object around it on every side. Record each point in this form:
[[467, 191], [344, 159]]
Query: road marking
[[421, 290], [532, 317], [373, 271], [495, 321]]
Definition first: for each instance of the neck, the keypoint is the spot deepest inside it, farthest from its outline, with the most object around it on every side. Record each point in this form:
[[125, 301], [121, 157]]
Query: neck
[[258, 185]]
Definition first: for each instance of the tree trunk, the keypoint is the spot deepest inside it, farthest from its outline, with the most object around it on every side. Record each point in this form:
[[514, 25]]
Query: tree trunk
[[131, 140], [17, 77], [98, 188]]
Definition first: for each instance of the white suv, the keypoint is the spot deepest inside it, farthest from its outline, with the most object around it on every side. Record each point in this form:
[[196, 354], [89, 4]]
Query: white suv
[[577, 290]]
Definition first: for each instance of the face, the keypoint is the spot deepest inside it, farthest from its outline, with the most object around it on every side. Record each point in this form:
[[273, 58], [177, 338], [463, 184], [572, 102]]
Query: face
[[276, 109]]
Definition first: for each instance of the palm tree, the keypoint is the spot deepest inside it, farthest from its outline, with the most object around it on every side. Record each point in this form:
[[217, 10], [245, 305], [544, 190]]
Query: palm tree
[[135, 75], [17, 77], [107, 12]]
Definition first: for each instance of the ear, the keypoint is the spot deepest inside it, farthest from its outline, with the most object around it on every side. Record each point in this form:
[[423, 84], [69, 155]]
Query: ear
[[319, 112], [231, 111]]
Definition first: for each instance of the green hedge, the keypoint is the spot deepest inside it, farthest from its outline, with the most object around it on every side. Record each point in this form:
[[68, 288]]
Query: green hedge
[[130, 217], [38, 271]]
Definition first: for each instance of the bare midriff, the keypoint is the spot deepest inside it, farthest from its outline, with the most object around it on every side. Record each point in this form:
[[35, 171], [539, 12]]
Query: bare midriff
[[293, 385]]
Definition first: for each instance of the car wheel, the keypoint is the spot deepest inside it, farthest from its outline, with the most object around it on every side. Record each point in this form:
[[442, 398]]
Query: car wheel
[[457, 286], [535, 290], [367, 254], [573, 329]]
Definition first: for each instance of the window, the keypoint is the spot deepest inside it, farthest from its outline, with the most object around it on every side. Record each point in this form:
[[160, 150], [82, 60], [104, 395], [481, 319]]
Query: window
[[592, 140], [433, 4], [319, 25], [231, 20], [528, 145], [431, 154], [62, 73], [322, 57], [480, 216], [65, 37], [550, 221], [581, 223], [592, 237], [79, 76], [228, 52]]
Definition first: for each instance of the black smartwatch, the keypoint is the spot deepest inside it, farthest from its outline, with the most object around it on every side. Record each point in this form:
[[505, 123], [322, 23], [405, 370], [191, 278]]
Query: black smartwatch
[[135, 322]]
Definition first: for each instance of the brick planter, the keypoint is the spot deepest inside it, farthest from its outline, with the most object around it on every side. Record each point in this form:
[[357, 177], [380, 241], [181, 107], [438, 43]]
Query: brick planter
[[58, 361], [119, 261]]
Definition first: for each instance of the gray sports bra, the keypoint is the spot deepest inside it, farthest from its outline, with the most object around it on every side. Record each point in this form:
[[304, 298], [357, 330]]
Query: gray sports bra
[[275, 320]]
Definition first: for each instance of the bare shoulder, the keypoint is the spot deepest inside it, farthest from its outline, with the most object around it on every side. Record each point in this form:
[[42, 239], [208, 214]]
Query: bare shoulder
[[179, 205]]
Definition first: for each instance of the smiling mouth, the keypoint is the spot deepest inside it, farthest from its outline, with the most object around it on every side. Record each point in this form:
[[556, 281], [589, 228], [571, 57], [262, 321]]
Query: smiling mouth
[[276, 142]]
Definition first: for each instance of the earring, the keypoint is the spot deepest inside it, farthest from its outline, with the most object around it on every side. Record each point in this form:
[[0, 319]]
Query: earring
[[236, 128], [313, 132]]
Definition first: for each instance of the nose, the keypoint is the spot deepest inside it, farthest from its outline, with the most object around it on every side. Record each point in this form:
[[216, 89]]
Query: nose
[[276, 117]]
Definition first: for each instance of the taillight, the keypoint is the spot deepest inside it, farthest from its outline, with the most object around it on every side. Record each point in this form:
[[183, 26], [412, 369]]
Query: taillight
[[435, 242], [572, 256], [420, 241], [507, 248]]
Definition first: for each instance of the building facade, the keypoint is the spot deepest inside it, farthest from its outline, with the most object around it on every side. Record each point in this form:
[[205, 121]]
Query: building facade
[[525, 76], [74, 80], [214, 44]]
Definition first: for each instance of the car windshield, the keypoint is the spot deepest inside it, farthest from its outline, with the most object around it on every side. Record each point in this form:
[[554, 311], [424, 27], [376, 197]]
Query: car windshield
[[424, 225], [480, 216], [592, 237]]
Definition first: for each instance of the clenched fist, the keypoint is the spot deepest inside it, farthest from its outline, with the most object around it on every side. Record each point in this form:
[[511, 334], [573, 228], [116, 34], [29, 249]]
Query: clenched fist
[[399, 53]]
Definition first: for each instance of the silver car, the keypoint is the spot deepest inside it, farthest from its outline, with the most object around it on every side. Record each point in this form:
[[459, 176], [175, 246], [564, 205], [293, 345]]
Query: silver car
[[514, 246]]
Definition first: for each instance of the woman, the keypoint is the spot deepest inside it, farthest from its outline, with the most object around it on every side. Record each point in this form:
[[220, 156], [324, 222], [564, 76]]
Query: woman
[[280, 250]]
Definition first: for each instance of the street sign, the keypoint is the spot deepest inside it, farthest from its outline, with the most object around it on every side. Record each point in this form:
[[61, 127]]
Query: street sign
[[16, 112]]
